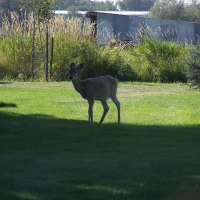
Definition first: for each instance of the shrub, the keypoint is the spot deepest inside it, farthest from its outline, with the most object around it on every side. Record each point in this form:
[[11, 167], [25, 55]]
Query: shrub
[[160, 61], [15, 56], [65, 52], [101, 60], [192, 67]]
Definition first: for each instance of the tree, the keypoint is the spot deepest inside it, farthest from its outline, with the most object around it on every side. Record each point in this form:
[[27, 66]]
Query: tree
[[176, 10], [192, 67], [105, 6], [43, 10], [78, 4], [73, 12], [193, 12], [88, 5], [9, 5], [136, 5], [168, 9]]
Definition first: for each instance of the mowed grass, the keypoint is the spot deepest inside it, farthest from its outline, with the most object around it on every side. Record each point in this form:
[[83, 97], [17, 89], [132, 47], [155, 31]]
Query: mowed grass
[[48, 152]]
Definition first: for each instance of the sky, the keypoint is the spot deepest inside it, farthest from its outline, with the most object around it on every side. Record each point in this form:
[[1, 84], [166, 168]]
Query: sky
[[98, 0], [186, 1]]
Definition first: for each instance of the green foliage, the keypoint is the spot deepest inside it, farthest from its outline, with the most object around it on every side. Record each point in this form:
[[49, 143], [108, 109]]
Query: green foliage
[[9, 5], [136, 5], [192, 12], [192, 67], [88, 5], [149, 60], [43, 9], [176, 10], [97, 60], [161, 61], [101, 61], [167, 9], [153, 60], [66, 50], [15, 56], [105, 6]]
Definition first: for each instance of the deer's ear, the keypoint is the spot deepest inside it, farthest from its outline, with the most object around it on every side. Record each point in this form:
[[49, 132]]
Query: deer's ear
[[79, 67], [72, 65]]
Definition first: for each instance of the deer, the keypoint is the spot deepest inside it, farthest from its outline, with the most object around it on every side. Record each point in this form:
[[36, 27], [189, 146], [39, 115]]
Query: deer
[[99, 88]]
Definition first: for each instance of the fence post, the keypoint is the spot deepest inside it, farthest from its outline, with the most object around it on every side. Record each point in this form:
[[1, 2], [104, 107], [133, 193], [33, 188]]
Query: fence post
[[47, 52], [33, 49], [51, 60]]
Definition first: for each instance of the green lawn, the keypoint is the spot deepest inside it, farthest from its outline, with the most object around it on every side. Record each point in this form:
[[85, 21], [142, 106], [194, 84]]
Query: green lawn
[[47, 151]]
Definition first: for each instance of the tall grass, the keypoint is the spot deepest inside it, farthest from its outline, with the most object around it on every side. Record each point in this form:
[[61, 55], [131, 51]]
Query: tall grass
[[16, 44], [160, 61], [149, 59], [103, 60]]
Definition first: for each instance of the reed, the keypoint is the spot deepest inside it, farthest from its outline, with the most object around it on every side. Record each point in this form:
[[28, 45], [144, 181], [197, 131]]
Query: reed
[[16, 40]]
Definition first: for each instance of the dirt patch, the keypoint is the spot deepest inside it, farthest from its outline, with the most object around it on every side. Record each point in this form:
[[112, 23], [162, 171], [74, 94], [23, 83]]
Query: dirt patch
[[142, 90], [32, 84], [190, 193]]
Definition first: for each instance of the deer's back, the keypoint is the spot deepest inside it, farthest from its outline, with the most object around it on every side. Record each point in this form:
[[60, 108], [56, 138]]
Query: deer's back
[[101, 87]]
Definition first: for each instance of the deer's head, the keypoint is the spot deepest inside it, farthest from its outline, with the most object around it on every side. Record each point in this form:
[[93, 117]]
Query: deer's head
[[74, 70]]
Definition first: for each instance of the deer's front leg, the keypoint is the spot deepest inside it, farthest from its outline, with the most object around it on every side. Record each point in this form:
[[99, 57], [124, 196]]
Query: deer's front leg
[[90, 112]]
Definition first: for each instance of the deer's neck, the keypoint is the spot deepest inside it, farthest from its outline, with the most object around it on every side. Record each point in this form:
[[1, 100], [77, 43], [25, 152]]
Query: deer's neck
[[77, 84]]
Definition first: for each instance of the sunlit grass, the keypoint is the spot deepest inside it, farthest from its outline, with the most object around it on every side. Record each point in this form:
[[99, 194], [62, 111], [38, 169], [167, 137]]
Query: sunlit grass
[[147, 104], [108, 189], [26, 196]]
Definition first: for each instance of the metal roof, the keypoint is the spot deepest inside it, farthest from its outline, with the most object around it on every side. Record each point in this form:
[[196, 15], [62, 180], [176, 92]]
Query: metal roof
[[64, 12], [133, 13]]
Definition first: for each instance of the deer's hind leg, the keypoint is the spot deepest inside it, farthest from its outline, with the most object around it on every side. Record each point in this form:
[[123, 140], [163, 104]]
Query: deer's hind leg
[[106, 109], [117, 103]]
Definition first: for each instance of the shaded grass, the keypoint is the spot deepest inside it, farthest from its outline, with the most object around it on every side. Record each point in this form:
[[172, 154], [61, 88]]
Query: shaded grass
[[2, 104], [49, 154]]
